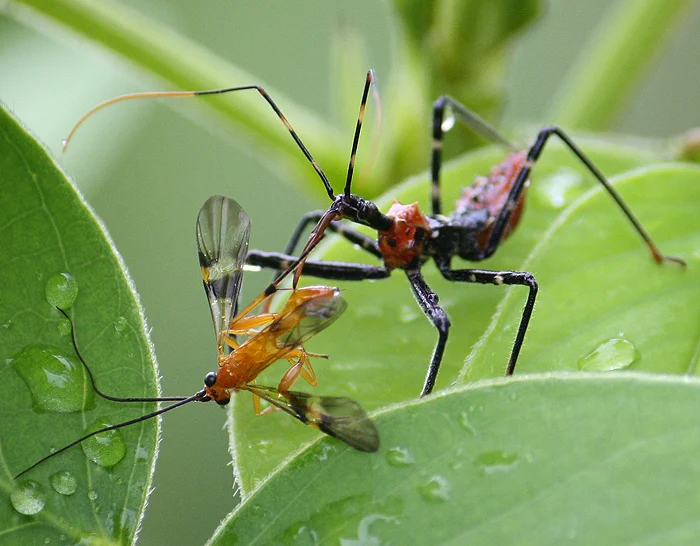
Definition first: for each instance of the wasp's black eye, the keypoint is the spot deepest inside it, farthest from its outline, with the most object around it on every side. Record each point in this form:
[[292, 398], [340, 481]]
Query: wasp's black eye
[[223, 401], [210, 379]]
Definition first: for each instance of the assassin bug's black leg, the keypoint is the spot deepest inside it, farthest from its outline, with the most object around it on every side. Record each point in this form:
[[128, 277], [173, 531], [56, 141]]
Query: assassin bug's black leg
[[471, 120], [519, 184], [428, 302], [482, 276], [533, 155], [339, 271]]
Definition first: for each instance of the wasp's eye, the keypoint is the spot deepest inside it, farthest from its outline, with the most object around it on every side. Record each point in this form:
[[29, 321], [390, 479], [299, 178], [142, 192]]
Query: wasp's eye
[[210, 379]]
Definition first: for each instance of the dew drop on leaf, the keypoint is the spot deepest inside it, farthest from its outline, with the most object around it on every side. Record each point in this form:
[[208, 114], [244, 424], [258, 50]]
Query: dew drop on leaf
[[64, 327], [56, 381], [28, 497], [436, 489], [106, 448], [61, 290], [613, 354], [399, 456], [120, 324], [494, 462], [63, 482]]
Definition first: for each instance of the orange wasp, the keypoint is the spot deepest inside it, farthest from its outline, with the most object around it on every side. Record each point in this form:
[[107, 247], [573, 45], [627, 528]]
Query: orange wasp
[[223, 228]]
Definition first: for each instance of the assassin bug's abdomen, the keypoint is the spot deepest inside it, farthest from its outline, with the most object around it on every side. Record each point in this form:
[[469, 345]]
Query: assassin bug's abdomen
[[490, 193]]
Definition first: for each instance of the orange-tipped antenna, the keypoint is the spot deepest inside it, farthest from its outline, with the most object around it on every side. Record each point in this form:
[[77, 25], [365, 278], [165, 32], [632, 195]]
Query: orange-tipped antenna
[[376, 134], [169, 94], [121, 98]]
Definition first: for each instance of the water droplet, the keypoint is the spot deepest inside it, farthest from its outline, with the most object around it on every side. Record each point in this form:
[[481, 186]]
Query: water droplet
[[613, 354], [63, 482], [263, 447], [28, 498], [106, 448], [364, 534], [8, 324], [494, 462], [64, 327], [61, 290], [120, 324], [448, 120], [92, 495], [436, 489], [57, 382], [399, 456], [466, 423]]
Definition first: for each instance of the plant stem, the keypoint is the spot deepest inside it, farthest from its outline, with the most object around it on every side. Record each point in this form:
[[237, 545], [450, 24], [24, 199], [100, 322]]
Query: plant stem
[[615, 59]]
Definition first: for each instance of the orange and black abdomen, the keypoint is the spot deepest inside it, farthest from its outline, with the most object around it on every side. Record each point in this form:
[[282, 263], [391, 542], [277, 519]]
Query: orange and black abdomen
[[490, 193]]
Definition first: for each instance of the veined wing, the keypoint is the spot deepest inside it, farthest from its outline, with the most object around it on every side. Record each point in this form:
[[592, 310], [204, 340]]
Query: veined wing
[[223, 229], [298, 325], [340, 417]]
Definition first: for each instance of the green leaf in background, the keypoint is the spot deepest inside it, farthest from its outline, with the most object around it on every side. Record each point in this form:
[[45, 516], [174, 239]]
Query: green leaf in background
[[546, 459], [379, 350], [46, 229]]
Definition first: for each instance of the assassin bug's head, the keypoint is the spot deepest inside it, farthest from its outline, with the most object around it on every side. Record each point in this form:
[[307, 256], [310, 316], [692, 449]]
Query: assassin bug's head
[[361, 211], [219, 395]]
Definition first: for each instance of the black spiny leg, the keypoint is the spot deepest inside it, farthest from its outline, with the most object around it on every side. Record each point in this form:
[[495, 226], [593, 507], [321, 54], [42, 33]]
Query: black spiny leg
[[339, 271], [428, 301], [483, 276], [533, 155]]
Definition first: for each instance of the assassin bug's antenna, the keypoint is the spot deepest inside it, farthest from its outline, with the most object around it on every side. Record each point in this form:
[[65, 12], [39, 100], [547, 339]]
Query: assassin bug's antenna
[[370, 79]]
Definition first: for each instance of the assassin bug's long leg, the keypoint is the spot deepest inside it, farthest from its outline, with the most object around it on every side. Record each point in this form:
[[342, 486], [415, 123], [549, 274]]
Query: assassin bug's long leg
[[486, 214], [222, 239]]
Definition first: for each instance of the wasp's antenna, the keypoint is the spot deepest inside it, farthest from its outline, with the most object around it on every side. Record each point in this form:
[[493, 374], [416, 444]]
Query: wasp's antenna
[[201, 396], [92, 377]]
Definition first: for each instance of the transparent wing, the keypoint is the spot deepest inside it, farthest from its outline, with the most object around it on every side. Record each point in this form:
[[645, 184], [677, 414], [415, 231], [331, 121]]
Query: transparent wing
[[305, 321], [339, 417], [223, 229]]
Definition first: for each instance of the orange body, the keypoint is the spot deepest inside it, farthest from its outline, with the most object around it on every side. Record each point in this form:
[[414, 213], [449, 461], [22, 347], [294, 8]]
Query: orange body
[[403, 243], [306, 311]]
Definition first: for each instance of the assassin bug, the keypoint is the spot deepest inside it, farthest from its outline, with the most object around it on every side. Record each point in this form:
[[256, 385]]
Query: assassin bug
[[222, 239], [485, 215]]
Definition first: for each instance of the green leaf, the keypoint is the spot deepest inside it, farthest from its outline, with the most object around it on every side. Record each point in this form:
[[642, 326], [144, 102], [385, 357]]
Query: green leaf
[[379, 350], [547, 459], [599, 283], [47, 229]]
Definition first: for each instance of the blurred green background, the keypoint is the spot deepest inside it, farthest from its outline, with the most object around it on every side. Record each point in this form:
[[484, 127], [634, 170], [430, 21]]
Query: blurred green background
[[146, 169]]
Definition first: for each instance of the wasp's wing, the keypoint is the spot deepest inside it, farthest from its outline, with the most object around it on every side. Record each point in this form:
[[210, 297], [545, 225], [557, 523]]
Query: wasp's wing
[[223, 228], [339, 417], [314, 315]]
